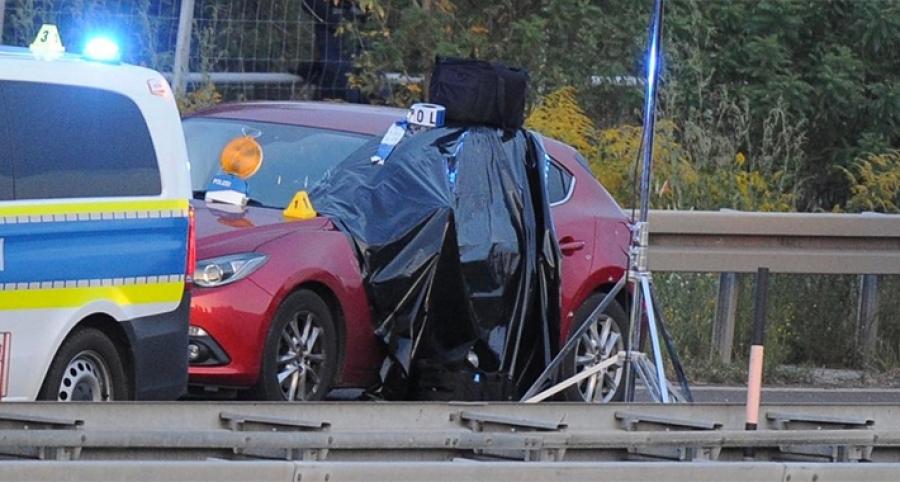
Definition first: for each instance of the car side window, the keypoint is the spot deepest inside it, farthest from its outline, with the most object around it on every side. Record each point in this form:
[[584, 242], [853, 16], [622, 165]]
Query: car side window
[[69, 142], [559, 182]]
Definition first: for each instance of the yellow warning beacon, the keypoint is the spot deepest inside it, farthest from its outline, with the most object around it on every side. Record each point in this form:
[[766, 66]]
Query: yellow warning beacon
[[242, 157]]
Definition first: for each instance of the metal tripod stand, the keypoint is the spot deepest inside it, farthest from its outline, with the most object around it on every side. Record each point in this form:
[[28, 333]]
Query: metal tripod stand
[[637, 364], [644, 305]]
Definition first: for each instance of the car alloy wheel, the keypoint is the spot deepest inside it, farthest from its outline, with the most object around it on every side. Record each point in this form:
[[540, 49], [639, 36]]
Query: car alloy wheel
[[600, 342], [604, 338], [301, 357]]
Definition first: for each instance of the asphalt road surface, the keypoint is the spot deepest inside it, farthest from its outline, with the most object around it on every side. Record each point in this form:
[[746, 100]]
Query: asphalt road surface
[[720, 394], [723, 394]]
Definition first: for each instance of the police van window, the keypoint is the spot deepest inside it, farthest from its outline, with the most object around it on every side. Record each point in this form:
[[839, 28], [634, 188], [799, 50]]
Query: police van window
[[72, 141], [6, 181], [559, 182]]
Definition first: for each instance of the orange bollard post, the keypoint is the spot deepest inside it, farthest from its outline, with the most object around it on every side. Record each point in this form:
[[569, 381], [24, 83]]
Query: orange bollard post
[[757, 341]]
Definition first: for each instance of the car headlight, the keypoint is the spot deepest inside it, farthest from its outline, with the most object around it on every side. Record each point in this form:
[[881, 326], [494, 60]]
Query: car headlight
[[196, 331], [223, 270]]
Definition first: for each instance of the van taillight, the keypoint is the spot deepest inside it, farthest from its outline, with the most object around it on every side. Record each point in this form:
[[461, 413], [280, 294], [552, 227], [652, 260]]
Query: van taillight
[[191, 247]]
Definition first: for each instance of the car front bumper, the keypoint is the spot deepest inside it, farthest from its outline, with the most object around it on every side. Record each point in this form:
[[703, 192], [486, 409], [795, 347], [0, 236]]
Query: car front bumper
[[236, 319]]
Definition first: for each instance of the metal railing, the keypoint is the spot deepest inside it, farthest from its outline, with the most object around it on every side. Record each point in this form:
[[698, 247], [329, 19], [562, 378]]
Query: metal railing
[[731, 242], [802, 243], [458, 471], [427, 432]]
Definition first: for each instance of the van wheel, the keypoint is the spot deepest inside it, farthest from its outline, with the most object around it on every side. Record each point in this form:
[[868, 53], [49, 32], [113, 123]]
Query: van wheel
[[87, 368], [605, 338], [300, 356]]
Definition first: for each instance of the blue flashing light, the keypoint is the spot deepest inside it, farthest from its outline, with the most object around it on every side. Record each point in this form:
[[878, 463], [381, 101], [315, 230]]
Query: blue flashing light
[[102, 49], [652, 66], [651, 69]]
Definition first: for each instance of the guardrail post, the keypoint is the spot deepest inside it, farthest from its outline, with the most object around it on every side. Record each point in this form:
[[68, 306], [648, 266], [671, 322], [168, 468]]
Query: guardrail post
[[182, 47], [867, 317], [726, 312]]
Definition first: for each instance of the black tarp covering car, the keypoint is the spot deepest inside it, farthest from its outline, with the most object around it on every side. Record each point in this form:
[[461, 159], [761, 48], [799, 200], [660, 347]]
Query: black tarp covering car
[[459, 258]]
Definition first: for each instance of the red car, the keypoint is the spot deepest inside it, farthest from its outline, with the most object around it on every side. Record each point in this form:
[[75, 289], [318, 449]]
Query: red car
[[280, 306]]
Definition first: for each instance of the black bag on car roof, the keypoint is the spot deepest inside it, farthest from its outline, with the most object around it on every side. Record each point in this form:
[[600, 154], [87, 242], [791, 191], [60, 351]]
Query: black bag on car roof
[[479, 92]]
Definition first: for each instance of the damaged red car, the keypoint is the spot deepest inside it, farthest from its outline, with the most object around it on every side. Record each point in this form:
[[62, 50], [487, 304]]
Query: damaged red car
[[280, 310]]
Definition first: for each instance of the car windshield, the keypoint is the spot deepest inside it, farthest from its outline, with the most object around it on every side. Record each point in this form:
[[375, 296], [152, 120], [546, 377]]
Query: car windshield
[[294, 157]]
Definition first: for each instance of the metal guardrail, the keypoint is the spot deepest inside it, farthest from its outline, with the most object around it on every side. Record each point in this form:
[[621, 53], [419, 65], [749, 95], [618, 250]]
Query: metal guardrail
[[428, 432], [333, 442], [458, 471], [742, 242], [730, 242]]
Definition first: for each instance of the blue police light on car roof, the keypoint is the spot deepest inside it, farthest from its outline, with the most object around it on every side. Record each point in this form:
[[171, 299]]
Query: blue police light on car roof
[[102, 49]]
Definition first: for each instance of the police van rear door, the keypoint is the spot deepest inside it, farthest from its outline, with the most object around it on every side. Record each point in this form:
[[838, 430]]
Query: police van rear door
[[83, 162]]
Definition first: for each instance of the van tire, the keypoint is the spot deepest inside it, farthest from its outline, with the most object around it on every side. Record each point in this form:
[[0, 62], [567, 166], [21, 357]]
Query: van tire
[[86, 367]]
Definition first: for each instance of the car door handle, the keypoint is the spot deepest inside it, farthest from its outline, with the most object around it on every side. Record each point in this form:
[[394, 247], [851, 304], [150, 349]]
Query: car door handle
[[569, 245]]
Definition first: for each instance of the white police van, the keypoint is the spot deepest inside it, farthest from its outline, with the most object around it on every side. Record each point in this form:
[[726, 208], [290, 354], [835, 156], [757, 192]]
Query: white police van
[[96, 235]]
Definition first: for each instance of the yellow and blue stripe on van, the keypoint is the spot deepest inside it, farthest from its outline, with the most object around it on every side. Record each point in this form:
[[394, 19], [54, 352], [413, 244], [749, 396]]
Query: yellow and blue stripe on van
[[59, 255]]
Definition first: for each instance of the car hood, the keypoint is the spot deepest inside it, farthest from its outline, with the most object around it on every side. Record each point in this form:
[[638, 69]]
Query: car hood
[[224, 229]]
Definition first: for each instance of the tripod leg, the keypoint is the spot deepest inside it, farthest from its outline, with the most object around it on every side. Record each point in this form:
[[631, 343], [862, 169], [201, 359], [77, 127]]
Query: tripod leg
[[586, 373], [670, 347], [634, 336], [654, 340], [645, 374], [553, 367]]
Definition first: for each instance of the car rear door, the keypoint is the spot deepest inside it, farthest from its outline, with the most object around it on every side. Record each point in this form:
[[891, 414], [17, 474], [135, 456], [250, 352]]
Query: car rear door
[[575, 231], [85, 179]]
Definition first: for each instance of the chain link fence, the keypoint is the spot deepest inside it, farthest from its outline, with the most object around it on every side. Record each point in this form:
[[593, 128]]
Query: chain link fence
[[247, 49]]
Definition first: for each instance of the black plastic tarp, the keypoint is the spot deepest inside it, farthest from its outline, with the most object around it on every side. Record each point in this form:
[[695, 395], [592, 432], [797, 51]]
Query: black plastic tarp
[[458, 255]]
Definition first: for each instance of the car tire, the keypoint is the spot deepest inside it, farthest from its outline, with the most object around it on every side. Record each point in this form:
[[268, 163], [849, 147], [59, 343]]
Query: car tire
[[605, 339], [300, 355], [87, 367]]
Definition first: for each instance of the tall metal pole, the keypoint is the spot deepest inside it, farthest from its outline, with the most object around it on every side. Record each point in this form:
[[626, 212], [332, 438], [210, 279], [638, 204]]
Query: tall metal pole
[[650, 107], [638, 269], [182, 47]]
